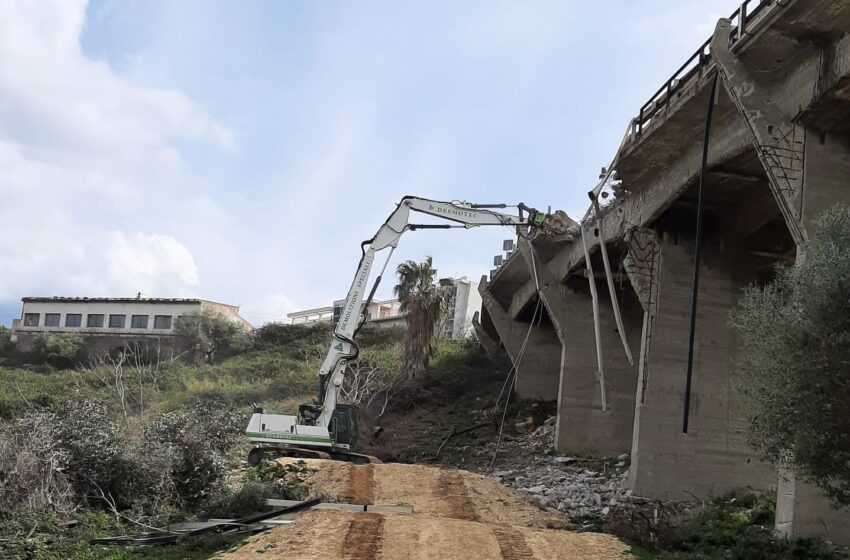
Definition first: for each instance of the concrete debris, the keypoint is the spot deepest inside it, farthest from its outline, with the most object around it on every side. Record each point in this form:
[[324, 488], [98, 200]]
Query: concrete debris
[[585, 490]]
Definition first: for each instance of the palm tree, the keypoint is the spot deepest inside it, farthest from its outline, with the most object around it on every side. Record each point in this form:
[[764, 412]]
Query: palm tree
[[424, 301]]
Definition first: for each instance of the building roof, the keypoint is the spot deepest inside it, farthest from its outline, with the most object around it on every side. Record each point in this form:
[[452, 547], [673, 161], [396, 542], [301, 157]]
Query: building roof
[[314, 311], [62, 299]]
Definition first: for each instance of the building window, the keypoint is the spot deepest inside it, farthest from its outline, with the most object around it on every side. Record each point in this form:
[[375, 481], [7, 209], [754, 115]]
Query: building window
[[117, 321], [51, 319], [337, 315], [73, 319], [94, 321], [31, 319], [139, 322], [162, 322]]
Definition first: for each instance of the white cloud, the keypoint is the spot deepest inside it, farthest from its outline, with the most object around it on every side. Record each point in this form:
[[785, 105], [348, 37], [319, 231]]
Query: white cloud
[[91, 167], [153, 264]]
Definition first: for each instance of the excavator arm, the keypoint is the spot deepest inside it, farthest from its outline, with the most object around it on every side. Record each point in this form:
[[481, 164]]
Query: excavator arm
[[311, 428], [353, 314]]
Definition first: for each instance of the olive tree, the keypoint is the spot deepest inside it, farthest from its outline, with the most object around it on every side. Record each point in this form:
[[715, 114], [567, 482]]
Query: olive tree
[[213, 334], [795, 369]]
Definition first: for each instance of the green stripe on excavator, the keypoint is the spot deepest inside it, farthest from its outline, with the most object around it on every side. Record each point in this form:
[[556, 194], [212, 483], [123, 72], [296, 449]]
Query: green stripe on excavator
[[292, 437]]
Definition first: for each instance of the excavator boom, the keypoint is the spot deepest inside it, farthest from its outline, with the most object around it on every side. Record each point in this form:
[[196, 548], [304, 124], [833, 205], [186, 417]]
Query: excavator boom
[[327, 425]]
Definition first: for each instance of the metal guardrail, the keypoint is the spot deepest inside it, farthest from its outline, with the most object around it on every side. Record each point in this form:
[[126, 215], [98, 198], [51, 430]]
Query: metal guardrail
[[744, 20]]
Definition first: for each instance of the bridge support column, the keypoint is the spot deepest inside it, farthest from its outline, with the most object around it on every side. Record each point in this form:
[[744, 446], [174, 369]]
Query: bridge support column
[[539, 363], [642, 265], [582, 427], [488, 343], [808, 171], [713, 458]]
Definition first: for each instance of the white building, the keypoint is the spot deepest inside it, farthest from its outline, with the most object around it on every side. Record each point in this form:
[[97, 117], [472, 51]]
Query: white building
[[108, 322], [465, 301]]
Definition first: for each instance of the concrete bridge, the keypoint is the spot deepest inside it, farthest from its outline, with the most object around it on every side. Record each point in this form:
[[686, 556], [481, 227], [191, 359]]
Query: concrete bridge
[[779, 154]]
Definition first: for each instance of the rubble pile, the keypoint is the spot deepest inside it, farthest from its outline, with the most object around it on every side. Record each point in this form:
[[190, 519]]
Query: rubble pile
[[586, 490]]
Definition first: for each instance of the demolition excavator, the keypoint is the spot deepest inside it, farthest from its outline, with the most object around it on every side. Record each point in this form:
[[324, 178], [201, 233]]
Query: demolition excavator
[[327, 428]]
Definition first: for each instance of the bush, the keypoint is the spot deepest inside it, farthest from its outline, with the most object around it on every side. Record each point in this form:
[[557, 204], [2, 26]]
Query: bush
[[197, 443], [59, 350], [78, 456], [725, 528], [213, 334], [279, 334], [742, 529], [7, 347]]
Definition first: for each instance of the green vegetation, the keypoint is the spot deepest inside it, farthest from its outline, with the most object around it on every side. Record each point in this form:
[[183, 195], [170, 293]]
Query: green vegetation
[[734, 529], [59, 350], [213, 335], [41, 537], [795, 371], [278, 369], [126, 442]]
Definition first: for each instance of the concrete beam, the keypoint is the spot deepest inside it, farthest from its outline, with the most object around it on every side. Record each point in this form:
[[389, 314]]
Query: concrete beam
[[522, 297], [549, 286], [643, 207], [538, 364], [779, 143], [751, 214]]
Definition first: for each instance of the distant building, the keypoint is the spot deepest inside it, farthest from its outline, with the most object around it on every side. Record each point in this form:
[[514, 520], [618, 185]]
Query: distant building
[[108, 323], [464, 302]]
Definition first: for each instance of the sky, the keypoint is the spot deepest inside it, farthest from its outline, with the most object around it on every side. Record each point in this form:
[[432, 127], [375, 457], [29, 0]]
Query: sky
[[241, 151]]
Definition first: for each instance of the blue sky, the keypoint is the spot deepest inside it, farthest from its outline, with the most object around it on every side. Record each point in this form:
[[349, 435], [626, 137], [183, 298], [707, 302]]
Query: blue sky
[[240, 151]]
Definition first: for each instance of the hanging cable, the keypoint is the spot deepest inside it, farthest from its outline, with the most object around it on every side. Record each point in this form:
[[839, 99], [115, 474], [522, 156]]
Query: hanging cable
[[712, 97]]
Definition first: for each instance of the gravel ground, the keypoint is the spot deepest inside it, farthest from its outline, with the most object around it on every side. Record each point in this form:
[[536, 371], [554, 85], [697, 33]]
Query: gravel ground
[[586, 491]]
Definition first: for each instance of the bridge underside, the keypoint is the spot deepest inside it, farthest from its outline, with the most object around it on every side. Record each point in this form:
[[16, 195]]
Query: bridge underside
[[779, 155]]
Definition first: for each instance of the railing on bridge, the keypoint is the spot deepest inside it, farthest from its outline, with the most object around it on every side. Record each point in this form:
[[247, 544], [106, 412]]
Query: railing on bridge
[[744, 20]]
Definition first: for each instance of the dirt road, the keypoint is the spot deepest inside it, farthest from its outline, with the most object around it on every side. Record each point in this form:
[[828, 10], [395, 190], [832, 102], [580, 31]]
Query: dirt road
[[457, 516]]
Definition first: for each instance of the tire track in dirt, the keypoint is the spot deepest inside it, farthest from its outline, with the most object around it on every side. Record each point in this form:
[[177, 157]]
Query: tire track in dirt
[[365, 537], [512, 544], [451, 488], [362, 484]]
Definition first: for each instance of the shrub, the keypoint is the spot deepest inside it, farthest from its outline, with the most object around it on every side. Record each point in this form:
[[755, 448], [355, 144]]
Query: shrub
[[213, 334], [32, 465], [7, 347], [77, 455], [197, 442], [279, 334], [59, 350], [742, 529]]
